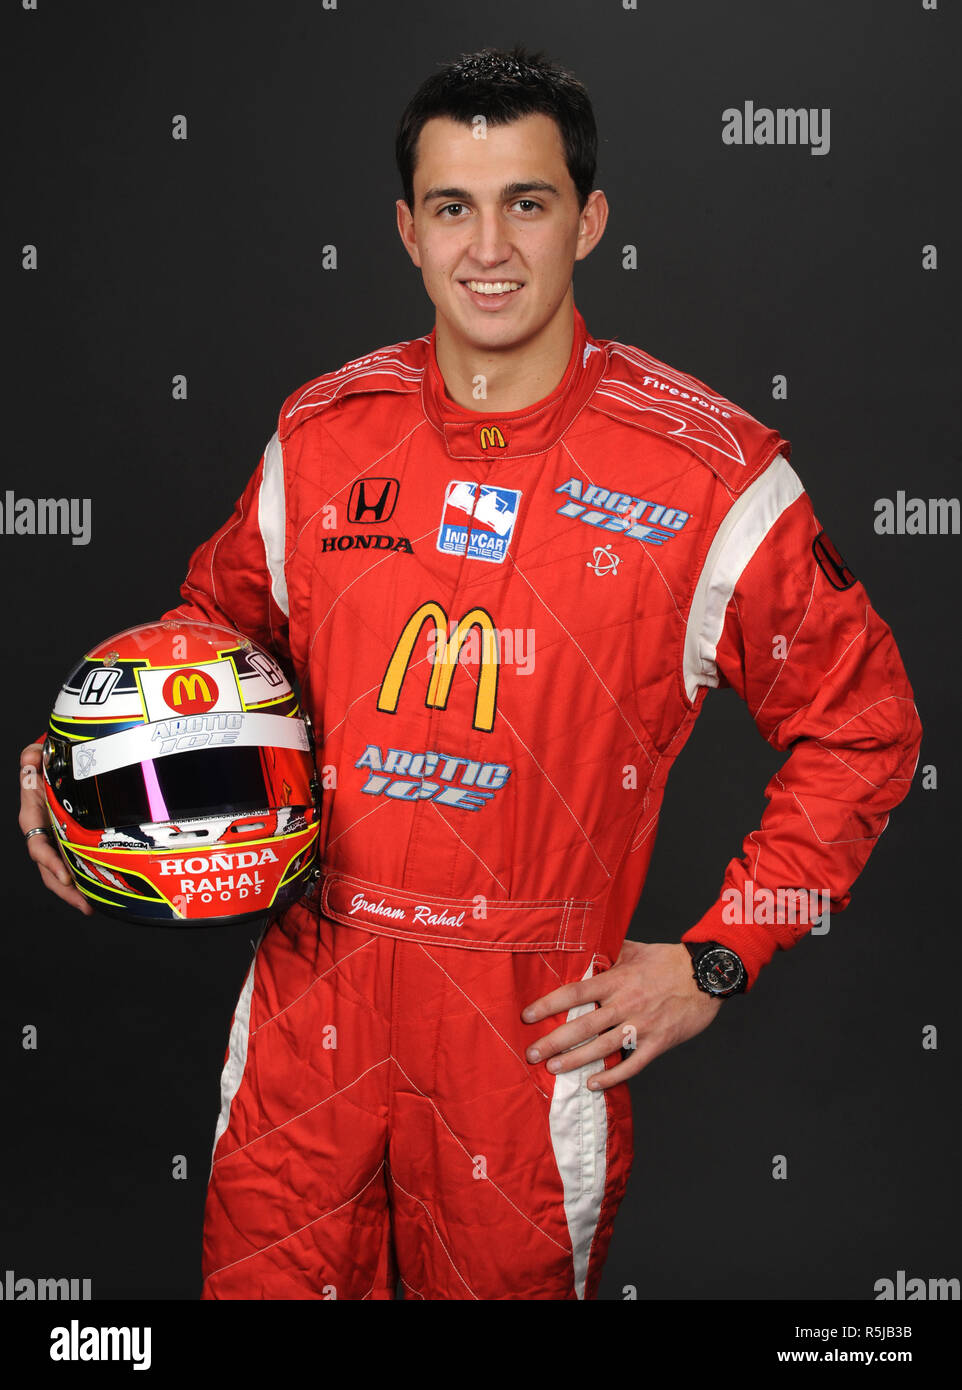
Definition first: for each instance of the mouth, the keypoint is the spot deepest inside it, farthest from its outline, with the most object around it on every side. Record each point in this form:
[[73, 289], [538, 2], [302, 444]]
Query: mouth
[[491, 294]]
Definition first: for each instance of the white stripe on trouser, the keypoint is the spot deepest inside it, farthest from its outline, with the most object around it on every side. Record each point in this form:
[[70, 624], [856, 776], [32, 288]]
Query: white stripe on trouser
[[578, 1120], [233, 1073]]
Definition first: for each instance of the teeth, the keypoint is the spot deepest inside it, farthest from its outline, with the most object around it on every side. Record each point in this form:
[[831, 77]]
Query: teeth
[[493, 286]]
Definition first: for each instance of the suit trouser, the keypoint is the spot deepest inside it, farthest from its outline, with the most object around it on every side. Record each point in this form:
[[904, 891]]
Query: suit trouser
[[380, 1122]]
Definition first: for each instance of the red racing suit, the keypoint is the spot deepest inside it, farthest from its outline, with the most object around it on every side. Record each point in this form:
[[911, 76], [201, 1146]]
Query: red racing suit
[[504, 626]]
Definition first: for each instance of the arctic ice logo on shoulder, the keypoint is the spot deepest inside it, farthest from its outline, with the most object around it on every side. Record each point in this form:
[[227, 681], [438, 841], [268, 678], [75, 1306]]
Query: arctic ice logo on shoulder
[[478, 520], [652, 523]]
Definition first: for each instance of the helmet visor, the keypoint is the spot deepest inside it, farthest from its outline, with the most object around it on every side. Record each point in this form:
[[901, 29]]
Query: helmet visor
[[204, 783]]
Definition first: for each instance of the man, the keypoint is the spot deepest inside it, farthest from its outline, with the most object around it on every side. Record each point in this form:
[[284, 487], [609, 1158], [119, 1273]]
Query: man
[[506, 560]]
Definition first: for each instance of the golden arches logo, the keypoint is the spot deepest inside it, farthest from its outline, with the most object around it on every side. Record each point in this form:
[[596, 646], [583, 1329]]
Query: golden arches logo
[[492, 438], [444, 660], [190, 691], [186, 688]]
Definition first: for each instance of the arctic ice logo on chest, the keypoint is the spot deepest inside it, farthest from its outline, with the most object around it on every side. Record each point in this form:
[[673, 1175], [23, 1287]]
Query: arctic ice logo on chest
[[478, 520], [440, 777], [652, 523]]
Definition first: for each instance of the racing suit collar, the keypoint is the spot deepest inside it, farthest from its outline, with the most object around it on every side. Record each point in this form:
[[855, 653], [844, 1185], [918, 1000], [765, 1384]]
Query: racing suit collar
[[531, 430]]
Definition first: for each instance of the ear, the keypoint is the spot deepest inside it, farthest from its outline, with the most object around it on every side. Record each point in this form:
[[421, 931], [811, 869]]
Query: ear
[[405, 226], [592, 223]]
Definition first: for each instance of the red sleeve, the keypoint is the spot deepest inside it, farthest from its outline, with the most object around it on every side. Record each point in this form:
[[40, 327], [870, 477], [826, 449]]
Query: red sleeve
[[820, 672], [237, 577]]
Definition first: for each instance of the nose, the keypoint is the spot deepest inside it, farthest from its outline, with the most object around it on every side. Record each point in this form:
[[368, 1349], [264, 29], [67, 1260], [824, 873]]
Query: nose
[[490, 244]]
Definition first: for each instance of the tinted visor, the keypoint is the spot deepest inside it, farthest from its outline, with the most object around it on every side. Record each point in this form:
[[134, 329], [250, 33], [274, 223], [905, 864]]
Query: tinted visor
[[208, 782]]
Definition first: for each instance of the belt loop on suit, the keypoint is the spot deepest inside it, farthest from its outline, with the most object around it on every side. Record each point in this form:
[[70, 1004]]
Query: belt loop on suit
[[479, 923]]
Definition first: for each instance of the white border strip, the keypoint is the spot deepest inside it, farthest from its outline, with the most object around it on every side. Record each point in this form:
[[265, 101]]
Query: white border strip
[[272, 520], [235, 1063], [738, 537], [578, 1121]]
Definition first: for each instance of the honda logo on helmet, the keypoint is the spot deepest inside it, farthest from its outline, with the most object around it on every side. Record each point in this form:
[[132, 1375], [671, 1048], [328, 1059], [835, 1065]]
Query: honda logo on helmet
[[372, 500], [98, 685]]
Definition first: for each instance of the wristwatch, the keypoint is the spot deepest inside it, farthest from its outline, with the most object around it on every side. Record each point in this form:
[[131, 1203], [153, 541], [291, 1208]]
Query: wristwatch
[[717, 970]]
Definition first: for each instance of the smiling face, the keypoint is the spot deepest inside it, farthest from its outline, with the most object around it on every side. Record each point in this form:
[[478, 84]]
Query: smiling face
[[496, 230]]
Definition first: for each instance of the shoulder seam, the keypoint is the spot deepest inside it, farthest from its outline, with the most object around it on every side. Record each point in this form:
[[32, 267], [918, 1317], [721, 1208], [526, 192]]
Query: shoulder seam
[[384, 370], [690, 416]]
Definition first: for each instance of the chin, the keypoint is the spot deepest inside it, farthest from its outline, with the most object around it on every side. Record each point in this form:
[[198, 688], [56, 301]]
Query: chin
[[492, 333]]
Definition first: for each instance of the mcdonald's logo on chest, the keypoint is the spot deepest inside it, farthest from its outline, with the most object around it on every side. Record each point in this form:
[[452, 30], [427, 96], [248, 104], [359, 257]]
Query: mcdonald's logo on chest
[[444, 651], [491, 437]]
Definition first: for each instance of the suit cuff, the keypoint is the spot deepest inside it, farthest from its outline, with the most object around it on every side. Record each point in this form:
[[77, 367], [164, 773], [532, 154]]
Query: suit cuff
[[753, 943]]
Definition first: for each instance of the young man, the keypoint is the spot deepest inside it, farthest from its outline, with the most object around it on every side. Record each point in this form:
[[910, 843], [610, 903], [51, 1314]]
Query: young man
[[506, 561]]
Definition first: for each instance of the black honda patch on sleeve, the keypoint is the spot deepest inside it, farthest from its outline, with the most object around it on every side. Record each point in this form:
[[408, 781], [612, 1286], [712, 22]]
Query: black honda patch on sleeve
[[830, 562]]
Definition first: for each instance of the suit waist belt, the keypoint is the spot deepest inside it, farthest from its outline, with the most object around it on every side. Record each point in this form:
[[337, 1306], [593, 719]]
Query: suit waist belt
[[478, 923]]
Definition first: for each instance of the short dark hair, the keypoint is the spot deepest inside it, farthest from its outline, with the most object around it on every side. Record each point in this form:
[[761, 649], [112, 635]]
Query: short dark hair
[[503, 86]]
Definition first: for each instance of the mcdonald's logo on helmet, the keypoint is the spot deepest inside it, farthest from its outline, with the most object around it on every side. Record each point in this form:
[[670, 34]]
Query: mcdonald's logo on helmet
[[491, 437], [447, 649], [189, 691]]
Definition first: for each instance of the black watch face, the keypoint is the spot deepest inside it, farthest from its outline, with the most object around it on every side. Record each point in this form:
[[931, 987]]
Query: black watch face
[[720, 970]]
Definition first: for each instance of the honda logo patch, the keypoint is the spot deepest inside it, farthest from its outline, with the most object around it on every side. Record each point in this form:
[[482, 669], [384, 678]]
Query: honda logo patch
[[830, 562], [372, 500]]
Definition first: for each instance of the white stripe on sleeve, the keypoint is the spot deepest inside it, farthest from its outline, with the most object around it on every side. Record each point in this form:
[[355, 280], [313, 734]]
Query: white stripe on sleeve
[[747, 524], [271, 519]]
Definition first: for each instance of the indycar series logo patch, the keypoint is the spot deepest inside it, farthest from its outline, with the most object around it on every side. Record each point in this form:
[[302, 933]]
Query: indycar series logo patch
[[478, 520]]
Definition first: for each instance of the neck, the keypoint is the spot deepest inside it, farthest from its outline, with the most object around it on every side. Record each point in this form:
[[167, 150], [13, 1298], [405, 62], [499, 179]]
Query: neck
[[515, 376]]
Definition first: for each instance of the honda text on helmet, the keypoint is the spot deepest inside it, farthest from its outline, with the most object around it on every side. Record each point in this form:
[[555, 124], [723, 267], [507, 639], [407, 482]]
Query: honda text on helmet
[[179, 777]]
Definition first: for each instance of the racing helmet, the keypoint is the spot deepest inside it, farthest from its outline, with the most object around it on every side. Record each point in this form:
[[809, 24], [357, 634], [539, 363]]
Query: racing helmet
[[179, 777]]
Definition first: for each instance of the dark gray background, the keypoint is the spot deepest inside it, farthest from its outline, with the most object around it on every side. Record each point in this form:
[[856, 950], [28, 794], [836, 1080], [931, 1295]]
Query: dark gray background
[[159, 257]]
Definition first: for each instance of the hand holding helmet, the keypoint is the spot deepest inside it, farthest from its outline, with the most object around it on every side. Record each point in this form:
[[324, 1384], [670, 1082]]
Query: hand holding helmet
[[179, 780], [35, 826]]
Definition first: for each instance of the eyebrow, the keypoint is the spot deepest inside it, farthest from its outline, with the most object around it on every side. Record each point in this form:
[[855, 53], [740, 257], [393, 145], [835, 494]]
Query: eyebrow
[[510, 190]]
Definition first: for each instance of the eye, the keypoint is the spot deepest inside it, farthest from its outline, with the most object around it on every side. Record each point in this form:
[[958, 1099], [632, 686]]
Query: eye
[[527, 204], [448, 206]]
